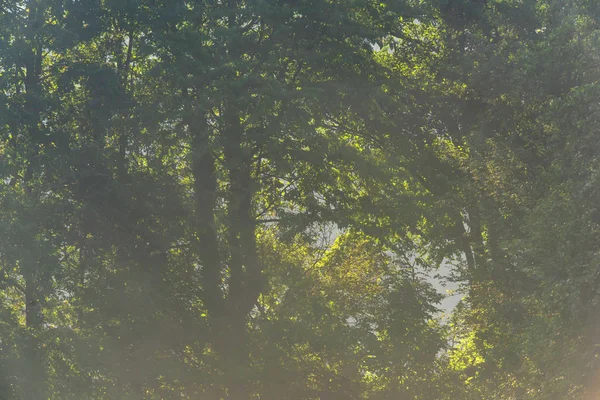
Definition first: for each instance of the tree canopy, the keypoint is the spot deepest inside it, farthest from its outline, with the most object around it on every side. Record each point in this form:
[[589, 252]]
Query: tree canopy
[[247, 199]]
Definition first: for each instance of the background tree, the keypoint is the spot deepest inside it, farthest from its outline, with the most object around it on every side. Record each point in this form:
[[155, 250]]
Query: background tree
[[240, 199]]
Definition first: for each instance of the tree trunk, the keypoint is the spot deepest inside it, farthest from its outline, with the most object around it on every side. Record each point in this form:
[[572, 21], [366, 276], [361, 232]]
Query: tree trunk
[[35, 387], [35, 378]]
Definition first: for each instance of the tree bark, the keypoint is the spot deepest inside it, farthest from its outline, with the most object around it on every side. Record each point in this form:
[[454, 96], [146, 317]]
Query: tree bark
[[35, 387], [244, 266]]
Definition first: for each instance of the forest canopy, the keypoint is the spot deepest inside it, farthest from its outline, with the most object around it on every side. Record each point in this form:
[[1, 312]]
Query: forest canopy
[[248, 199]]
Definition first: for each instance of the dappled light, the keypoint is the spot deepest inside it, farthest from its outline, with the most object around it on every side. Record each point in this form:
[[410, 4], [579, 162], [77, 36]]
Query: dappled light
[[299, 199]]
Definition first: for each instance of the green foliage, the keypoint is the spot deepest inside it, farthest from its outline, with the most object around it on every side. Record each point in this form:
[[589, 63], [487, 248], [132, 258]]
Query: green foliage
[[241, 199]]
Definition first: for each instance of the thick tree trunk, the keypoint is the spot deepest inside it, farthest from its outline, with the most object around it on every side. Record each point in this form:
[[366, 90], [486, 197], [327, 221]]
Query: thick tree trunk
[[205, 186], [243, 263], [228, 303]]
